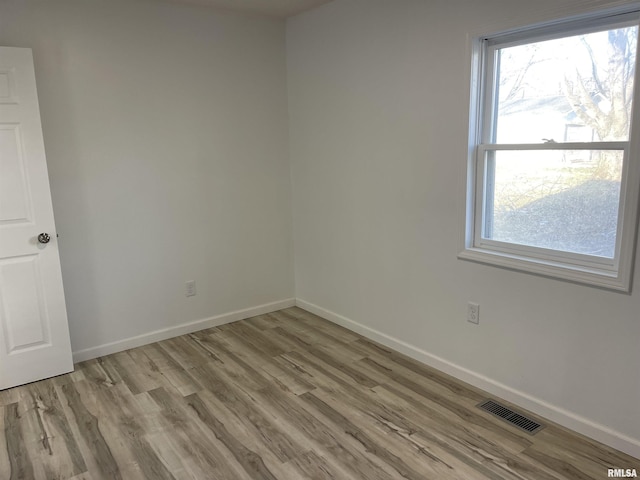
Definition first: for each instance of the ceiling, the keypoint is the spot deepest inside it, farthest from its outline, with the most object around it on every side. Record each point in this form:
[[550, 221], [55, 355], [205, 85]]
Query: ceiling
[[271, 8]]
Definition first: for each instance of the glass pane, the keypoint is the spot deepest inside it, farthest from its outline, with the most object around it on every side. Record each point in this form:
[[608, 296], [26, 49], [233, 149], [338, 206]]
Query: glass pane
[[560, 200], [573, 89]]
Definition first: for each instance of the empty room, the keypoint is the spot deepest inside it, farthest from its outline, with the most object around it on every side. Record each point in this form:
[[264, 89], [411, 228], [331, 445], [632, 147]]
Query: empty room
[[319, 239]]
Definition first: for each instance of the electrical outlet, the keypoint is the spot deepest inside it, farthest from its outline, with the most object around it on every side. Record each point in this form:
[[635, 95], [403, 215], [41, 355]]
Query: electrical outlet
[[473, 313], [190, 288]]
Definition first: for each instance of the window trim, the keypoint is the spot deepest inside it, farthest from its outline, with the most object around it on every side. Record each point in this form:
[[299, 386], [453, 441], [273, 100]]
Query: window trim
[[614, 274]]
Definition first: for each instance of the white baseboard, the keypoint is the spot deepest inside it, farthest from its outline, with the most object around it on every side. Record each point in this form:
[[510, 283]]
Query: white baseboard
[[184, 328], [568, 419]]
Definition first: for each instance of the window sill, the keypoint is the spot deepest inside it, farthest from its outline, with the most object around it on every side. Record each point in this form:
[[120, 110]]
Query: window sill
[[606, 279]]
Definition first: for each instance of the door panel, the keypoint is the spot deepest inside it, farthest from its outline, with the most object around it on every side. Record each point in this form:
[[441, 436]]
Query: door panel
[[34, 335], [14, 197], [23, 315], [7, 86]]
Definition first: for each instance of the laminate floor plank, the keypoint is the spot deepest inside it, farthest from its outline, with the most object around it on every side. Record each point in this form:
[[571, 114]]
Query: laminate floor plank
[[316, 467], [388, 416], [262, 322], [386, 419], [332, 330], [466, 441], [563, 440], [319, 336], [284, 395], [200, 452], [240, 371], [257, 339], [347, 451], [373, 406], [285, 344], [573, 465], [7, 397], [442, 399], [312, 332], [98, 415], [393, 364], [257, 365], [453, 415], [293, 338], [347, 369], [159, 359], [83, 476], [242, 407], [84, 426], [374, 441], [290, 323], [49, 453], [183, 353], [163, 444], [250, 461], [19, 462], [5, 465], [61, 449], [272, 446], [130, 423]]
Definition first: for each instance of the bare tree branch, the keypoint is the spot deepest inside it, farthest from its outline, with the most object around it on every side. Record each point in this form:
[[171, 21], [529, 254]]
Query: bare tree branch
[[603, 100], [594, 68]]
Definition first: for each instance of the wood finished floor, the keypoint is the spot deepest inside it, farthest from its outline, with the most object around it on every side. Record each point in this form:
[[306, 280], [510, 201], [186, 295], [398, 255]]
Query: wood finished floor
[[280, 396]]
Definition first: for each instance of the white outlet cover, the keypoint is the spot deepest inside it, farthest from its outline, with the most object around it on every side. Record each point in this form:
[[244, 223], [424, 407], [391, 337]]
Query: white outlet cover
[[190, 288], [473, 313]]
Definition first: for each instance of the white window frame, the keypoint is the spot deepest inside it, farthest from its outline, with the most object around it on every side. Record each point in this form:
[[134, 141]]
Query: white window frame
[[614, 274]]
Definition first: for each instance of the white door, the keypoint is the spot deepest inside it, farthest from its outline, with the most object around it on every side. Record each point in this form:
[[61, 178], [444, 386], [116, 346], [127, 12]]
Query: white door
[[34, 335]]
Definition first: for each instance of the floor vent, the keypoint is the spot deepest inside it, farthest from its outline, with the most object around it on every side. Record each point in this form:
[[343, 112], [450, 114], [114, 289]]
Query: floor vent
[[510, 416]]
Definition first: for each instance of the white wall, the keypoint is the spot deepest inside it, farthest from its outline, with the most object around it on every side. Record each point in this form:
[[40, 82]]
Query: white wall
[[165, 129], [378, 108]]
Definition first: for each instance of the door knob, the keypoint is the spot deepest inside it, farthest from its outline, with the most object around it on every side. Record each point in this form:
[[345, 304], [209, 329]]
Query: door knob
[[44, 238]]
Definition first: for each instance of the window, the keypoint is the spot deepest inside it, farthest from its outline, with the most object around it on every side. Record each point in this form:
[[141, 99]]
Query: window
[[554, 167]]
